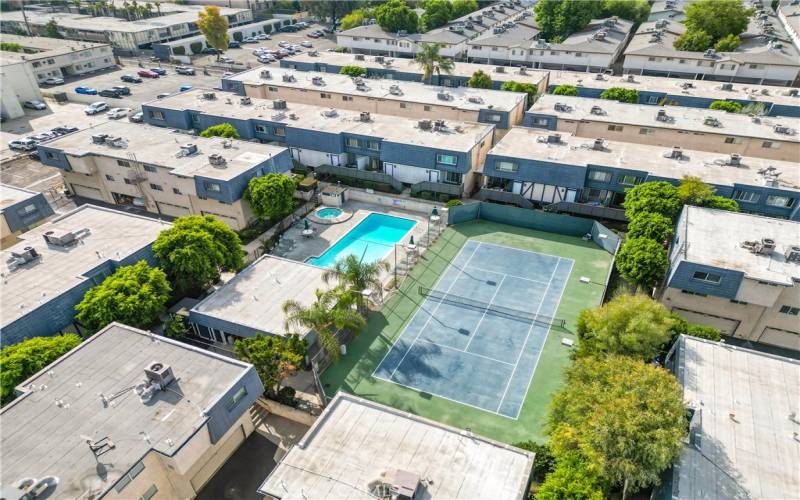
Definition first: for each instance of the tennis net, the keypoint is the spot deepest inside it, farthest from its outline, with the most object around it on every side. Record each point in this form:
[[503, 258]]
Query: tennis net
[[509, 312]]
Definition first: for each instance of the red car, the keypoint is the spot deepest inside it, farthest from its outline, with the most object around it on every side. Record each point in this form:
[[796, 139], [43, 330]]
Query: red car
[[313, 34], [145, 73]]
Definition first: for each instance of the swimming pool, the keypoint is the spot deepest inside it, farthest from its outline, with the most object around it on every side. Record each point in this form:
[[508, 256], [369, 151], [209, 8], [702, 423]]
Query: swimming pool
[[372, 238]]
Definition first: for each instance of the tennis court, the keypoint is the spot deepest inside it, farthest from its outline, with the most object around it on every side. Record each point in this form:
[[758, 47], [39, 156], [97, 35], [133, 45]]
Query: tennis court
[[477, 337]]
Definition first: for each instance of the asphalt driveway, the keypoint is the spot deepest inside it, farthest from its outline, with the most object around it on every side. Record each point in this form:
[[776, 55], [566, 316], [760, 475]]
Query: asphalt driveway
[[243, 473]]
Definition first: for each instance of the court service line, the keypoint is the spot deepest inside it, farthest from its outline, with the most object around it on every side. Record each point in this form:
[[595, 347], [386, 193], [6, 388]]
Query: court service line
[[435, 310], [528, 335], [508, 274], [472, 335], [466, 352]]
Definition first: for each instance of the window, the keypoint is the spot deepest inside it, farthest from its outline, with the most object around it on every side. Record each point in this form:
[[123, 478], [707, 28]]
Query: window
[[156, 115], [261, 129], [506, 166], [578, 54], [26, 210], [352, 142], [272, 89], [770, 145], [129, 476], [50, 154], [176, 191], [123, 163], [748, 196], [403, 105], [452, 178], [687, 292], [128, 181], [707, 277], [109, 177], [653, 99], [615, 128], [646, 131], [150, 168], [740, 302], [600, 176], [237, 396], [212, 187], [156, 187], [681, 61], [347, 98], [629, 180], [540, 121], [279, 131], [494, 117], [733, 140], [150, 493], [774, 200], [324, 95], [753, 66], [794, 311], [446, 159], [374, 145]]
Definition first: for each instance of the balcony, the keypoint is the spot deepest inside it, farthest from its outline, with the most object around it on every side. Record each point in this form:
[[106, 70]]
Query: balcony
[[359, 175], [594, 211], [453, 190], [496, 195]]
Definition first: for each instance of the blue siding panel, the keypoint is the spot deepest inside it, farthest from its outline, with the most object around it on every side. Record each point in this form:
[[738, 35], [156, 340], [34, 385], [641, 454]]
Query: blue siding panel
[[17, 220], [223, 415], [727, 288]]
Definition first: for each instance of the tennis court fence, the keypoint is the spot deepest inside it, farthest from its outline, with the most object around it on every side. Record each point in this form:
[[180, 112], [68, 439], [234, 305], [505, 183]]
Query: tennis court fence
[[509, 312]]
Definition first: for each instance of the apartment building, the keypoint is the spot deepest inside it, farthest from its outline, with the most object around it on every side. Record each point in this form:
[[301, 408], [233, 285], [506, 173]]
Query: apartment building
[[737, 272], [772, 138], [735, 396], [766, 55], [404, 99], [128, 414], [182, 48], [673, 10], [452, 38], [534, 167], [440, 156], [592, 49], [167, 173], [177, 21], [788, 13], [19, 84], [388, 68], [343, 455], [54, 58], [48, 272], [660, 91], [20, 210]]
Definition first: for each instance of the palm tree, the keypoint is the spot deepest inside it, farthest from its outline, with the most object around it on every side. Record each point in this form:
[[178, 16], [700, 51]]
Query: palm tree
[[77, 4], [357, 277], [325, 316], [158, 7], [430, 61]]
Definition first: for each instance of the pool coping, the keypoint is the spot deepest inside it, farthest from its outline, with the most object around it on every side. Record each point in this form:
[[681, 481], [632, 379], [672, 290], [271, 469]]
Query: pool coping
[[344, 217]]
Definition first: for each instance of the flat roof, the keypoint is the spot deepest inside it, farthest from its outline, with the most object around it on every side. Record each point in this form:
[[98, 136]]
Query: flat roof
[[254, 297], [616, 32], [41, 437], [356, 443], [379, 89], [404, 65], [745, 403], [518, 34], [715, 237], [160, 146], [680, 117], [458, 136], [11, 195], [522, 142], [39, 47], [112, 235]]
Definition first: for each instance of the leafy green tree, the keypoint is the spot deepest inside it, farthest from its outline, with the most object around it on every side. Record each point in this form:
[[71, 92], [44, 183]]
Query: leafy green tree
[[196, 47], [659, 197], [722, 203], [429, 59], [729, 106], [194, 250], [463, 7], [565, 89], [238, 36], [572, 479], [357, 277], [630, 325], [728, 43], [325, 317], [10, 47], [214, 28], [693, 41], [642, 261], [543, 463], [274, 357], [134, 295], [354, 71], [526, 88], [437, 13], [20, 361], [395, 15], [225, 130], [626, 418], [621, 94], [633, 10], [51, 29], [479, 80], [353, 20], [329, 10], [682, 327], [271, 195], [693, 191], [560, 18], [176, 328], [717, 18], [651, 225]]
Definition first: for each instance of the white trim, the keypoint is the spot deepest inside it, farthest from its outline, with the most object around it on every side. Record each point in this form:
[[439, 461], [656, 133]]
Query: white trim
[[466, 352]]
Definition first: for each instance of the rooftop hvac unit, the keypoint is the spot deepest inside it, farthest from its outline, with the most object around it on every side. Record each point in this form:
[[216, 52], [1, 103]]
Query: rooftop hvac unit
[[63, 238], [600, 35], [500, 69], [99, 138], [553, 138], [216, 160], [159, 373], [793, 92], [782, 129], [443, 96], [209, 95], [560, 106], [596, 110], [793, 253], [767, 246], [288, 78], [379, 59], [317, 80], [28, 254], [712, 122], [424, 124], [475, 100], [631, 79], [676, 153], [189, 149], [439, 125], [115, 142], [313, 53], [245, 101], [395, 90], [265, 74], [364, 116], [359, 57], [598, 144], [293, 116], [735, 160], [687, 85], [709, 53], [726, 86], [599, 76], [330, 113], [279, 104]]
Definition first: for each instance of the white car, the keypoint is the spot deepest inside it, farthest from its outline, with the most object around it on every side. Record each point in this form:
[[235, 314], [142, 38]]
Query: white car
[[266, 59], [53, 81], [26, 144], [95, 107], [35, 105], [227, 74], [116, 113], [306, 44], [283, 44], [262, 37]]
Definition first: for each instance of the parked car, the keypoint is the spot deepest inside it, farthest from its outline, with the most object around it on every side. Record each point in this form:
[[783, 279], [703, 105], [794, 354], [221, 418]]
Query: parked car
[[209, 50], [146, 73], [65, 129], [35, 105], [306, 44], [95, 107], [185, 88], [227, 74], [313, 34], [266, 59], [85, 90], [163, 95], [136, 117], [130, 79], [250, 39], [184, 70], [117, 113], [226, 60], [328, 29], [53, 81], [122, 89], [159, 71], [25, 144], [44, 136], [233, 44], [262, 36], [283, 43], [34, 155], [110, 93]]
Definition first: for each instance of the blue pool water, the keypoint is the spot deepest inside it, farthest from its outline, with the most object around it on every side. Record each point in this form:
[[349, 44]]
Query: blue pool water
[[373, 238], [328, 213]]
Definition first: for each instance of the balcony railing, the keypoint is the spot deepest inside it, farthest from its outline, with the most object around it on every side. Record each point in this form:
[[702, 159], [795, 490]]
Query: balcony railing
[[595, 211], [504, 197], [364, 175], [438, 187]]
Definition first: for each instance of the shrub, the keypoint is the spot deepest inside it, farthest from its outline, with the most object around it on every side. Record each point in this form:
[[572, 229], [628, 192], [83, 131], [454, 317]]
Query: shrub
[[10, 47], [564, 89], [238, 36], [728, 43], [453, 203], [225, 130], [651, 225], [179, 51], [480, 80], [642, 261], [196, 47], [543, 462], [20, 361], [572, 478], [729, 106], [354, 71], [621, 94]]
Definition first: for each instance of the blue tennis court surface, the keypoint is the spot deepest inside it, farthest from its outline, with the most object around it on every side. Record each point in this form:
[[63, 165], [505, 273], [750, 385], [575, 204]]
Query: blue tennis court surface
[[466, 343]]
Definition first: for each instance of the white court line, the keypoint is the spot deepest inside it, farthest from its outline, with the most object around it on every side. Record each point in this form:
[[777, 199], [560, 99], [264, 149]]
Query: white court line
[[507, 274], [475, 330], [527, 336], [466, 352]]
